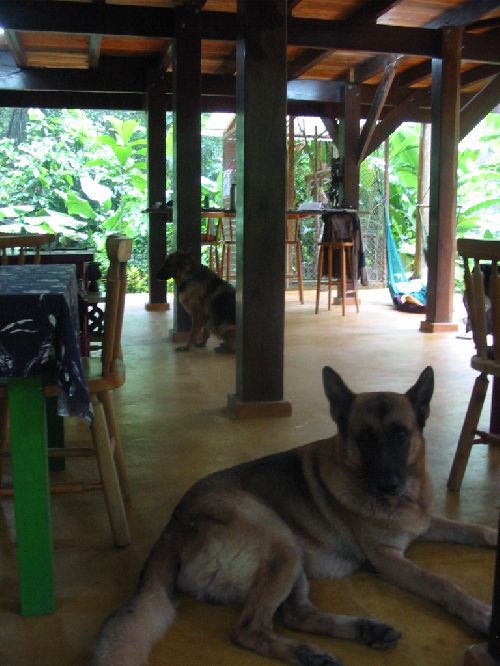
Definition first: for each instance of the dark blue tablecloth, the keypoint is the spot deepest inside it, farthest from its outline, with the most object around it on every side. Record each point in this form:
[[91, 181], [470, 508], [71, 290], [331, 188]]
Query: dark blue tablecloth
[[39, 331]]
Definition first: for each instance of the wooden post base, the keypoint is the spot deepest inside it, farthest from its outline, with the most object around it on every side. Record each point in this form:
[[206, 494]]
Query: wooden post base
[[477, 655], [240, 409], [438, 327], [157, 307]]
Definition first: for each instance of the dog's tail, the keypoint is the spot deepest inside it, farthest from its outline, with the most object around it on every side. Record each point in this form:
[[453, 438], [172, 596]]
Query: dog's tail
[[129, 634]]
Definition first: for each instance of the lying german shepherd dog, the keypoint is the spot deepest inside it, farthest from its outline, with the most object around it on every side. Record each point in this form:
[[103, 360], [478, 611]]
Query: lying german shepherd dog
[[255, 532], [209, 300]]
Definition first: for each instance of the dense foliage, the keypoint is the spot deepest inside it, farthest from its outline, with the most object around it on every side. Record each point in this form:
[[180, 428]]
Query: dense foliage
[[83, 174]]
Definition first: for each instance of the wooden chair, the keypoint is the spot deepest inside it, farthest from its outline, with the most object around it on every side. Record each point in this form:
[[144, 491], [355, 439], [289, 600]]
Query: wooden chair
[[292, 240], [103, 375], [17, 244], [482, 298], [337, 247], [228, 228]]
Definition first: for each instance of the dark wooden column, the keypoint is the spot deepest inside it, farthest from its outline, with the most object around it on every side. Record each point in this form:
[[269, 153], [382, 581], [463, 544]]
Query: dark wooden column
[[349, 143], [443, 190], [187, 142], [261, 190], [157, 175]]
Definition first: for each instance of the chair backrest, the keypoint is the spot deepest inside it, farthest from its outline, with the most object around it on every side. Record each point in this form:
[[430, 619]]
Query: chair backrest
[[119, 250], [17, 244], [482, 294]]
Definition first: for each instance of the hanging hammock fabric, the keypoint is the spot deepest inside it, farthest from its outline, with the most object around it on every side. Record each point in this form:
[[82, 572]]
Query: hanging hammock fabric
[[407, 295]]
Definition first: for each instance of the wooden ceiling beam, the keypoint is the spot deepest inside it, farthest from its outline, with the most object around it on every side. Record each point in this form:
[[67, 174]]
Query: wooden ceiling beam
[[312, 33], [413, 75], [461, 17], [371, 11], [367, 13], [482, 48], [292, 4], [479, 106], [305, 61], [50, 99], [471, 12], [129, 20], [95, 42]]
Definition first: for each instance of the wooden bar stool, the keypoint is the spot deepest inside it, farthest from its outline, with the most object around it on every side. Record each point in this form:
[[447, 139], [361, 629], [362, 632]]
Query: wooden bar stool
[[228, 245], [211, 237], [292, 240], [346, 252]]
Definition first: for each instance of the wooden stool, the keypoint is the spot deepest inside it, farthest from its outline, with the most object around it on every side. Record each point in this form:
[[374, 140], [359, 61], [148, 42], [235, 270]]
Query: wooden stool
[[228, 244], [292, 240], [211, 237], [346, 256]]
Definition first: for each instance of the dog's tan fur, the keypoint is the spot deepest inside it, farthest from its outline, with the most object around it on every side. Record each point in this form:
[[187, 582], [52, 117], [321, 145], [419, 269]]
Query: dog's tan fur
[[254, 533], [208, 299]]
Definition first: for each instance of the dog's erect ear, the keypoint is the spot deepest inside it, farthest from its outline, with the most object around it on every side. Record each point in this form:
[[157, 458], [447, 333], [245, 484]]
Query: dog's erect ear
[[339, 396], [420, 395]]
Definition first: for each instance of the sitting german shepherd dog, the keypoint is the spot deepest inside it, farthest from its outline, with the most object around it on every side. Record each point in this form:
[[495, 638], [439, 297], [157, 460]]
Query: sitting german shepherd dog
[[255, 532], [209, 300]]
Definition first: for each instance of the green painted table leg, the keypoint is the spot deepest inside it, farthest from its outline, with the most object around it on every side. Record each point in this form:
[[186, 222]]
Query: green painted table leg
[[55, 433], [31, 495]]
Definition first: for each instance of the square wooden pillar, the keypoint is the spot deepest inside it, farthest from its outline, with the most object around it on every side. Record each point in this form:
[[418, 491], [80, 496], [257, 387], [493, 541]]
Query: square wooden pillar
[[443, 190], [261, 191], [157, 176], [349, 133], [187, 141]]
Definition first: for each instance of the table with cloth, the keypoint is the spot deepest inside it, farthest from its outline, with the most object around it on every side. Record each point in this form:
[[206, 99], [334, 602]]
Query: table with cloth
[[39, 343]]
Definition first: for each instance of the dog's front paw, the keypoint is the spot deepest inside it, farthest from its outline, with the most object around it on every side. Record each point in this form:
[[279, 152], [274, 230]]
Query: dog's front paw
[[377, 635], [306, 655], [182, 348]]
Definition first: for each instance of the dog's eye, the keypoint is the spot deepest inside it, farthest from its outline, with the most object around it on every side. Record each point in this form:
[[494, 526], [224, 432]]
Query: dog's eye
[[399, 437], [364, 438]]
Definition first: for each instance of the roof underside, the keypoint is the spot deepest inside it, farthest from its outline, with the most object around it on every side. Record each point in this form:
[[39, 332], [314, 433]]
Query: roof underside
[[95, 53]]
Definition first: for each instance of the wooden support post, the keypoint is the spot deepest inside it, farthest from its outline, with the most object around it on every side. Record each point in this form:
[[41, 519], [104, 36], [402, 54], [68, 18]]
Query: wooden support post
[[157, 175], [187, 142], [422, 212], [349, 143], [442, 213], [261, 191]]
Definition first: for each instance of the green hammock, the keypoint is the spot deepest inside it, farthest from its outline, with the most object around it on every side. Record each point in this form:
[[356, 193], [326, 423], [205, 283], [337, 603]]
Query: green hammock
[[407, 295]]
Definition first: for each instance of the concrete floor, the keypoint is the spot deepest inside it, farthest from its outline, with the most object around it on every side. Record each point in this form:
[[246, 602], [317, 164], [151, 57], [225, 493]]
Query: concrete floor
[[175, 430]]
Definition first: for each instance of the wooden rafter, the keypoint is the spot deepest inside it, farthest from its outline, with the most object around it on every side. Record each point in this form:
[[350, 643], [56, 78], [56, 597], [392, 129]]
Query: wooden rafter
[[480, 105], [396, 116], [376, 108]]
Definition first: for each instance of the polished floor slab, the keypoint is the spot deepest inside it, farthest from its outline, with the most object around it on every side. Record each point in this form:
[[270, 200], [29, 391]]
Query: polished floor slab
[[175, 429]]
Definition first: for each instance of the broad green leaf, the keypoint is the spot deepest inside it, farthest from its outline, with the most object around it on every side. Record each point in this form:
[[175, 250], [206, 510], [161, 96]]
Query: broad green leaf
[[95, 190], [78, 206]]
